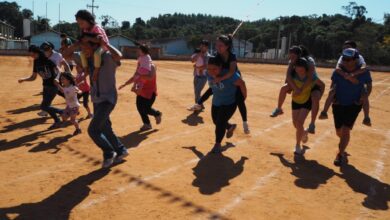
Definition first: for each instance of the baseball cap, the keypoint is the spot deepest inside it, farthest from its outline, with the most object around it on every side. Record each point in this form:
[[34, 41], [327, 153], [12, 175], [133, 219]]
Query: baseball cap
[[350, 53]]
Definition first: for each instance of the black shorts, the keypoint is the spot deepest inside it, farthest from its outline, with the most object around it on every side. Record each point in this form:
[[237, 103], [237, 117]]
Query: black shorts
[[316, 88], [297, 106], [345, 115]]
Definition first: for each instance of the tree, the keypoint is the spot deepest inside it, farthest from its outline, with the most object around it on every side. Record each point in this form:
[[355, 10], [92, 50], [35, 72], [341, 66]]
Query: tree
[[27, 13], [355, 11], [108, 21], [9, 12], [125, 25]]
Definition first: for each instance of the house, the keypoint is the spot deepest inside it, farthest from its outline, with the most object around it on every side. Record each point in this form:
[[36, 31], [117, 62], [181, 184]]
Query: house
[[50, 35], [6, 30], [120, 41], [173, 46]]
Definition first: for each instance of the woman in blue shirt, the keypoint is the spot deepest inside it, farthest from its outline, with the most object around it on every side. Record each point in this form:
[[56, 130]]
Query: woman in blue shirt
[[224, 102]]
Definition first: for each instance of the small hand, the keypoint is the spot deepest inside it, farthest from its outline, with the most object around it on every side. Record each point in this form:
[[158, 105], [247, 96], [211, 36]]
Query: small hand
[[217, 80], [95, 77], [20, 80]]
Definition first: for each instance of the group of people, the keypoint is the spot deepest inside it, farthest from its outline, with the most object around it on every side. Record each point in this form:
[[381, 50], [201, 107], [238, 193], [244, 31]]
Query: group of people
[[95, 58], [351, 86]]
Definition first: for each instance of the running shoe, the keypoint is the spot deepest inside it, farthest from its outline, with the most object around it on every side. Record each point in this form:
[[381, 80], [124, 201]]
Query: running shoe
[[230, 131], [323, 115], [367, 121], [146, 127], [107, 163], [246, 127], [42, 114], [195, 107], [119, 158], [276, 112], [311, 129], [158, 118], [76, 132]]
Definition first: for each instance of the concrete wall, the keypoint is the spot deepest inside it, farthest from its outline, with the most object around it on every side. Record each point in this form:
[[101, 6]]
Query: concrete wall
[[175, 47], [47, 36]]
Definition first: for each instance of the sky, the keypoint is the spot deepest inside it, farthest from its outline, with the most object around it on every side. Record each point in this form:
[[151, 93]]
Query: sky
[[128, 10]]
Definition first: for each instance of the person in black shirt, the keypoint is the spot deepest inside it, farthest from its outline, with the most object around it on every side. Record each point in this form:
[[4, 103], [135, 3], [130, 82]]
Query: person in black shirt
[[49, 73]]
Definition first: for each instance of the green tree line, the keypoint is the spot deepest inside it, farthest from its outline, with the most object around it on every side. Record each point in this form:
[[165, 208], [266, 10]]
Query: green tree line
[[322, 34]]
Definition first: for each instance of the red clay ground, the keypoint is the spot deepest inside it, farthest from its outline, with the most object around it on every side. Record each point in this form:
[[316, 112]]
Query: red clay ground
[[52, 175]]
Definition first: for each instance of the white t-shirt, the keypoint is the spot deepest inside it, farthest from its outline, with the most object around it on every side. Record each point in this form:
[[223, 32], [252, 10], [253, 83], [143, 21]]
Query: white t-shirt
[[71, 97], [56, 58], [200, 62], [361, 61]]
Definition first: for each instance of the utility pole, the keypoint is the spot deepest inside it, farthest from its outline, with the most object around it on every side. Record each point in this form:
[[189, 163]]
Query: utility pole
[[93, 6], [46, 18], [59, 17]]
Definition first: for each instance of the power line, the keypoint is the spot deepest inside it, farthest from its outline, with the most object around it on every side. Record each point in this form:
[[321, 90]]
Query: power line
[[93, 6]]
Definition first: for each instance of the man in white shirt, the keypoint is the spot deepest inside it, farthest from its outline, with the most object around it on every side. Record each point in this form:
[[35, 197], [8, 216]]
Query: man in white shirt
[[200, 60]]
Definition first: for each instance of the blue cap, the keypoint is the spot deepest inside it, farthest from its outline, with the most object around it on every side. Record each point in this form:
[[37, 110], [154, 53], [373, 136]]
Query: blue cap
[[350, 53]]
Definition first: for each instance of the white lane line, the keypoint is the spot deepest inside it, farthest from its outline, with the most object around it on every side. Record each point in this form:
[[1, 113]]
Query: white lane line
[[376, 174], [129, 186], [260, 182]]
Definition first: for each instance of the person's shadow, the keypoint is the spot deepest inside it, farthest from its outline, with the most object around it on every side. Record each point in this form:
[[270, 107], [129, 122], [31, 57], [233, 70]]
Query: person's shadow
[[193, 119], [135, 138], [24, 124], [309, 173], [214, 171], [52, 144], [377, 193], [34, 107], [26, 140], [59, 205]]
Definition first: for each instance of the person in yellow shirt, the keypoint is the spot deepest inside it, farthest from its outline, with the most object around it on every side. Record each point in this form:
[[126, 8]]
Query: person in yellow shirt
[[301, 102]]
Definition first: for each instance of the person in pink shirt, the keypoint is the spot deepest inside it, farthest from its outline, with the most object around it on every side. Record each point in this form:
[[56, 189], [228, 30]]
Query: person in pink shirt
[[82, 84], [144, 66], [89, 27], [146, 97]]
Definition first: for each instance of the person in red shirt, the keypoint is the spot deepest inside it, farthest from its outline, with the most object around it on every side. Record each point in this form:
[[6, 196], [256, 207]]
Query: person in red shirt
[[146, 97]]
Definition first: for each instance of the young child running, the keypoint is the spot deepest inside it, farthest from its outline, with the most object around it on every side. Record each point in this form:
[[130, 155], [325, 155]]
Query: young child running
[[301, 102], [144, 66], [352, 77], [88, 25], [83, 85], [70, 90], [224, 47], [224, 102]]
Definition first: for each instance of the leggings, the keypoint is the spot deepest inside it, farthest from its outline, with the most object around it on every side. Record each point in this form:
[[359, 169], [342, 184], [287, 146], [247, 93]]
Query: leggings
[[239, 99], [221, 116], [144, 107], [85, 96]]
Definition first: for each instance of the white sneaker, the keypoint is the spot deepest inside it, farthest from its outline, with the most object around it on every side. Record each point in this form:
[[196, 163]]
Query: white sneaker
[[107, 163], [120, 158], [305, 137], [195, 107], [42, 113], [246, 127], [298, 150]]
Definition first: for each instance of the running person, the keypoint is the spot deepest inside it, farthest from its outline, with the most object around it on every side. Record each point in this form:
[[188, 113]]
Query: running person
[[146, 97], [351, 77], [49, 72], [199, 59], [224, 102], [296, 52], [228, 59], [348, 101], [104, 98], [70, 90], [302, 101]]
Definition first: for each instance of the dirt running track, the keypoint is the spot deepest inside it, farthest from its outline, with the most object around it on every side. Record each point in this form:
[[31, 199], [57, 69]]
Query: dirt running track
[[52, 175]]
